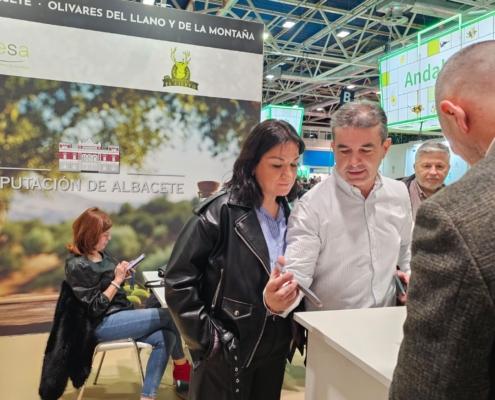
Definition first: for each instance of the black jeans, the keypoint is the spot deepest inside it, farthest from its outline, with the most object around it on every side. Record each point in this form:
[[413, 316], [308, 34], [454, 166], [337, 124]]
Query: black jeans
[[264, 377]]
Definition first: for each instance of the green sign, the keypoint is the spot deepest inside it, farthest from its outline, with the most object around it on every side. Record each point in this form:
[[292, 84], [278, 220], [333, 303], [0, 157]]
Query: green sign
[[292, 115], [408, 76]]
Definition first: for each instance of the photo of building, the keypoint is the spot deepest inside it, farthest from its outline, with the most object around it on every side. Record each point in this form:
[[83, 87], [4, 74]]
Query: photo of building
[[89, 157]]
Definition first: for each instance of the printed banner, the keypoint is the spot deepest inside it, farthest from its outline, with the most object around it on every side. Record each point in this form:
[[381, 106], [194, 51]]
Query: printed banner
[[131, 108]]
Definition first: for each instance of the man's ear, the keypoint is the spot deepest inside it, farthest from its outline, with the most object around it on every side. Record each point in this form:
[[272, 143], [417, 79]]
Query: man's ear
[[455, 114], [386, 145]]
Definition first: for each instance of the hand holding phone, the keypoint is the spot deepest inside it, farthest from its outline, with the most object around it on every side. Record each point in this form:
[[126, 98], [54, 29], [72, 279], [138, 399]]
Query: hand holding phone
[[400, 285], [136, 262], [308, 293]]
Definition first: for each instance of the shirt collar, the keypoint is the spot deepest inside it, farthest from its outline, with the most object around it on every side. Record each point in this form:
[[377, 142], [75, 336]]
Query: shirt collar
[[491, 147], [421, 194], [280, 213], [350, 190]]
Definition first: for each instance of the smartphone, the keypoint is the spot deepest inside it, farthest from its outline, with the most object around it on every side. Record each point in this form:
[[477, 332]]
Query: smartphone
[[136, 262], [400, 286], [308, 293]]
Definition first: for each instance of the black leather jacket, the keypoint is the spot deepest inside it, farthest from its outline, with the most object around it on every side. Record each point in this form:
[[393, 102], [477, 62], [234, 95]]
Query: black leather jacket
[[216, 276], [88, 281]]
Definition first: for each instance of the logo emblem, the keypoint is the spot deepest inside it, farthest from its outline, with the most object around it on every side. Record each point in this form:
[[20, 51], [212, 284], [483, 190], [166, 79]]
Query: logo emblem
[[417, 109], [472, 33], [88, 157], [180, 72]]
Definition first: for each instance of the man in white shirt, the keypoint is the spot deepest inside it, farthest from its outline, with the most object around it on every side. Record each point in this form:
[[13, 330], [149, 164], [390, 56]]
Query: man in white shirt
[[347, 235]]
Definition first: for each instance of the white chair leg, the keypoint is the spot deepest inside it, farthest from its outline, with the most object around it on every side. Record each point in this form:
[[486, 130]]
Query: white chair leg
[[81, 391], [99, 367], [140, 365]]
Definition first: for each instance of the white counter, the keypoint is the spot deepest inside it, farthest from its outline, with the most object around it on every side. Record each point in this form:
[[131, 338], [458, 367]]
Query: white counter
[[352, 354], [159, 291]]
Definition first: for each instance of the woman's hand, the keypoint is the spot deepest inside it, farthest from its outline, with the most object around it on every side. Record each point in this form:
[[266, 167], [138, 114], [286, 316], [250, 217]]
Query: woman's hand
[[281, 290], [121, 272]]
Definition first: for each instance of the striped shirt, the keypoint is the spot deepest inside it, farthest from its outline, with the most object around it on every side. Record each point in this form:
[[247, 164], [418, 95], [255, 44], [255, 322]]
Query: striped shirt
[[345, 248], [274, 232]]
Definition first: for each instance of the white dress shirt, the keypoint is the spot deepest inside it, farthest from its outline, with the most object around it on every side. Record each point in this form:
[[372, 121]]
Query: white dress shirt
[[345, 248]]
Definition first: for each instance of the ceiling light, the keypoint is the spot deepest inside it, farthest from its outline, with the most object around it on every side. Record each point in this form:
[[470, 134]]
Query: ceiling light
[[343, 34], [378, 92], [149, 2], [288, 24], [270, 76], [351, 86], [265, 35], [295, 105], [319, 109]]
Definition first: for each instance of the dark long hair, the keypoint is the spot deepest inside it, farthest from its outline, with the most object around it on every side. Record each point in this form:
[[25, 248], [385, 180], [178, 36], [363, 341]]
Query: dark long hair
[[262, 138]]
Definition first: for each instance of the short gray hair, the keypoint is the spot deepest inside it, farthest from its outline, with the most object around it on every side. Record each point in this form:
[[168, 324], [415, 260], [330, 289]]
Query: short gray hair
[[432, 147], [360, 114]]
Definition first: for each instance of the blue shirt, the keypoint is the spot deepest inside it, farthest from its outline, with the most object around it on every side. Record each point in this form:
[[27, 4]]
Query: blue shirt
[[274, 232]]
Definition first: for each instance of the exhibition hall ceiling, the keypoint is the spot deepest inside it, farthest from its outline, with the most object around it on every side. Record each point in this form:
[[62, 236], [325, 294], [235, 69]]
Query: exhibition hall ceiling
[[315, 48]]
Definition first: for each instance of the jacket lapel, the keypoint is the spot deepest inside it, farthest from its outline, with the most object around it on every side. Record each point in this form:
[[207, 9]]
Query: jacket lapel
[[249, 229]]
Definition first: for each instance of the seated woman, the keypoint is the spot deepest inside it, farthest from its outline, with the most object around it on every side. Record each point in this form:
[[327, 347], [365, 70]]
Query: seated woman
[[96, 282]]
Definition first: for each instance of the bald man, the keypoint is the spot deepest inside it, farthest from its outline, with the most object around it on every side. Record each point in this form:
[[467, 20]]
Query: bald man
[[449, 334]]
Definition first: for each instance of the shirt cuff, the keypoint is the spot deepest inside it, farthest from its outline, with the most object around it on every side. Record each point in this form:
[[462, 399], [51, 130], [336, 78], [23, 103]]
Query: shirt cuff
[[405, 268]]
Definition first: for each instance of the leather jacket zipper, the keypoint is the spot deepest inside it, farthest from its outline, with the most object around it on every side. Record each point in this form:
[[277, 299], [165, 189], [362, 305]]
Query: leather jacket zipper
[[214, 302], [266, 311]]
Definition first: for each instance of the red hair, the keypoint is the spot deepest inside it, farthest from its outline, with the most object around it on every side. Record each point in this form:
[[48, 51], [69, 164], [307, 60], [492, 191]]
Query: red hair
[[87, 230]]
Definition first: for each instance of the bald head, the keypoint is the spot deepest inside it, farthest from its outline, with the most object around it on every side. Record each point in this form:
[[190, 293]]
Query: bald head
[[465, 100], [468, 73]]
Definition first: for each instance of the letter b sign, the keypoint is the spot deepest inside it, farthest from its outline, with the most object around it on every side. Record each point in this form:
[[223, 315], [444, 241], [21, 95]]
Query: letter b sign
[[346, 96]]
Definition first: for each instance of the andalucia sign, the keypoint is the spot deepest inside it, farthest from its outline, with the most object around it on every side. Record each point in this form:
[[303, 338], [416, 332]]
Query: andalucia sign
[[408, 76]]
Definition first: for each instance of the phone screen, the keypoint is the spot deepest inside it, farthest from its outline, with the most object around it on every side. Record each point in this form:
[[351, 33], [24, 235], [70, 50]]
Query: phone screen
[[401, 287], [136, 262]]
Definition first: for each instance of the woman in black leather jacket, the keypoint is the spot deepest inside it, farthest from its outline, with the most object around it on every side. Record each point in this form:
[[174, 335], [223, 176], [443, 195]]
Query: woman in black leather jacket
[[220, 265], [96, 283]]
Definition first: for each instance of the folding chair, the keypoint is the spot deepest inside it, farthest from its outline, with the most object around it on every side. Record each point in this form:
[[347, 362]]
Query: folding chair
[[118, 345]]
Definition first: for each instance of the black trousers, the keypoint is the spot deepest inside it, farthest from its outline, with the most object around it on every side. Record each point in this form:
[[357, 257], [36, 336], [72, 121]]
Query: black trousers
[[264, 377]]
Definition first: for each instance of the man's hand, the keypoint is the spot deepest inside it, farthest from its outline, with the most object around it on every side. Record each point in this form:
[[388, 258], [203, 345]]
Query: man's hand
[[281, 290], [405, 281]]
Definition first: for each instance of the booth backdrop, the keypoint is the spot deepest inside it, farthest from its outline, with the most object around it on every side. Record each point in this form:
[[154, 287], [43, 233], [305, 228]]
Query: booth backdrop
[[117, 105]]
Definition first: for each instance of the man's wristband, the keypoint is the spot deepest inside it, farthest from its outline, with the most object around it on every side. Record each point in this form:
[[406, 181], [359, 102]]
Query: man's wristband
[[115, 284]]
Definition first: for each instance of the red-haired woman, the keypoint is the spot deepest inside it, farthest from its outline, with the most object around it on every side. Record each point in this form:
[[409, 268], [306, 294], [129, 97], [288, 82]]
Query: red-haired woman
[[96, 282]]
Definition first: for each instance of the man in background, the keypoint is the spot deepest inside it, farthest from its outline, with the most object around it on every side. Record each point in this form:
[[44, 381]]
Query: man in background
[[346, 236], [449, 334], [431, 166]]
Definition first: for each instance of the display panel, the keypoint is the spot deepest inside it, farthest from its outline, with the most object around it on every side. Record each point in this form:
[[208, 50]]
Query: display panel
[[407, 77]]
